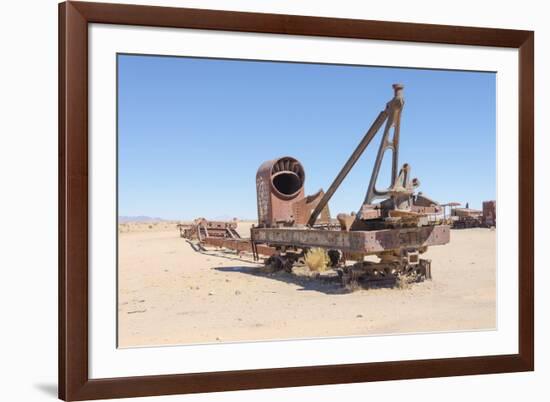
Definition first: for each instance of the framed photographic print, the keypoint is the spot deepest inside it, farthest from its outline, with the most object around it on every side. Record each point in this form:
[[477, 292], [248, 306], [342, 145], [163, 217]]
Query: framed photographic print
[[259, 200]]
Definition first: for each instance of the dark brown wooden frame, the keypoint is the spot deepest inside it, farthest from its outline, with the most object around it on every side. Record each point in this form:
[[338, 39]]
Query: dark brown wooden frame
[[74, 17]]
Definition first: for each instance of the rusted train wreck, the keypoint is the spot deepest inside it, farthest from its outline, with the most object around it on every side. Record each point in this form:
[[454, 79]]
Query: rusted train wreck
[[394, 223]]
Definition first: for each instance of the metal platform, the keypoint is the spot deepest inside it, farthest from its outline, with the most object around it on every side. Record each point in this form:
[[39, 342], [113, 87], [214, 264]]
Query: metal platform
[[364, 242]]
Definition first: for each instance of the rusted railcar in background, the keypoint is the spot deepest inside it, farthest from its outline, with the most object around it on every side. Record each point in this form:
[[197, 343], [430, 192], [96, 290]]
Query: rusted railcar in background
[[489, 213], [463, 218], [466, 218]]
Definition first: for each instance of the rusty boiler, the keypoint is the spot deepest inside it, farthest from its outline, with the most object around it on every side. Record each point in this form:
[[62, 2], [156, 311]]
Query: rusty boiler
[[279, 183], [281, 196]]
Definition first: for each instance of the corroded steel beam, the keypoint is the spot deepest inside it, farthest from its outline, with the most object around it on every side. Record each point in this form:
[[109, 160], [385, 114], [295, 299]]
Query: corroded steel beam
[[366, 242], [238, 245], [391, 115]]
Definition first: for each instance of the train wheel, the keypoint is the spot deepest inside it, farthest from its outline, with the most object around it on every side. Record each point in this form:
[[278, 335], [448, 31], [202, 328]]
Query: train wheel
[[335, 257]]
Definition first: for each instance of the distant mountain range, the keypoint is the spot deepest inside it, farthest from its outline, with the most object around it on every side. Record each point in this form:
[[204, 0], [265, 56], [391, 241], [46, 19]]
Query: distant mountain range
[[124, 219], [143, 218]]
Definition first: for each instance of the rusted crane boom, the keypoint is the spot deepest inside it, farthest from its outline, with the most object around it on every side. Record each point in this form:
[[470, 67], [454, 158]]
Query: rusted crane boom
[[392, 116]]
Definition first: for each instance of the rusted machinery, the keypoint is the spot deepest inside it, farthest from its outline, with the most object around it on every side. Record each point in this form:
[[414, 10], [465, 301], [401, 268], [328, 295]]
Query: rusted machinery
[[202, 228], [489, 213], [473, 218], [218, 234], [393, 223], [280, 195], [466, 218]]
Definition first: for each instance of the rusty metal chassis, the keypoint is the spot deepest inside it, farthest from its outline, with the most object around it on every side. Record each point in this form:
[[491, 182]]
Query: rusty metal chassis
[[240, 245], [399, 250], [270, 241], [360, 242]]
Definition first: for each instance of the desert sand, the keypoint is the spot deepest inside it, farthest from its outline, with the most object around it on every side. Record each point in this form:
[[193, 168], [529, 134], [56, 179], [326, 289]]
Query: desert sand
[[171, 294]]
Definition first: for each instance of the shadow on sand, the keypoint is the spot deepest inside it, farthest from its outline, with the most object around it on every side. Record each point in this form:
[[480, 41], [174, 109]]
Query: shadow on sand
[[324, 284], [327, 284]]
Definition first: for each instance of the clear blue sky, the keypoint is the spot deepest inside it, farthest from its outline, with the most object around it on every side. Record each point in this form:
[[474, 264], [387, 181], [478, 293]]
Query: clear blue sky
[[192, 132]]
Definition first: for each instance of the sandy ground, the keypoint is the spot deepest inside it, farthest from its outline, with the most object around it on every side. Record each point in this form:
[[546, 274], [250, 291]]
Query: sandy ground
[[171, 294]]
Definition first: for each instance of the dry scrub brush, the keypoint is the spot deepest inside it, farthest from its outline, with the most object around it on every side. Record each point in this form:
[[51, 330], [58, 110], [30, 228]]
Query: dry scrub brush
[[317, 259]]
